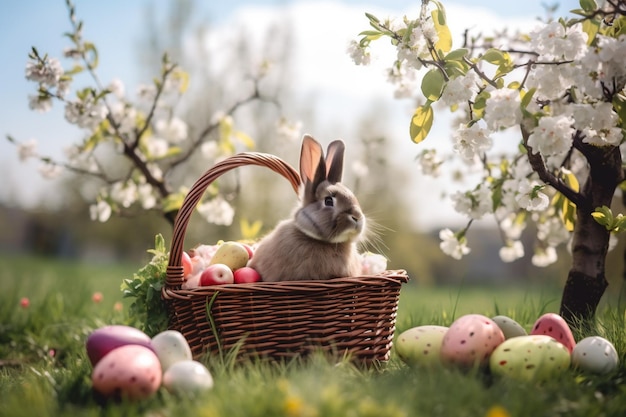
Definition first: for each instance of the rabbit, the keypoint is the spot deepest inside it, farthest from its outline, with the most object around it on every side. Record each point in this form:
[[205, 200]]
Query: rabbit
[[320, 241]]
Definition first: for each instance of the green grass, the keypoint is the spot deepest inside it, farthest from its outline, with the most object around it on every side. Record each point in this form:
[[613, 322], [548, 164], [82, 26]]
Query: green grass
[[62, 313]]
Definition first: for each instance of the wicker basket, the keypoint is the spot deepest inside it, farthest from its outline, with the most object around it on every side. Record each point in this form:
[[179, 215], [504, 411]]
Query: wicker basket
[[352, 316]]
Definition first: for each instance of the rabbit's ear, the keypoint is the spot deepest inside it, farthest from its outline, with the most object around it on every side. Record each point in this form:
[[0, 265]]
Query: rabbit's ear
[[311, 159], [334, 161]]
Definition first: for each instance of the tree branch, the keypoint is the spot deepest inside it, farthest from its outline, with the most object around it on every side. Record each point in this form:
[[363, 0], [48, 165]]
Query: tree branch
[[537, 163]]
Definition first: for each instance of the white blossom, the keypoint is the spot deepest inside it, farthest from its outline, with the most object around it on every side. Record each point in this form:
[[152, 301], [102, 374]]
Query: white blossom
[[359, 55], [460, 89], [100, 211], [156, 147], [530, 196], [85, 113], [503, 109], [512, 251], [451, 245], [116, 86], [40, 103], [472, 141], [210, 150], [554, 41], [288, 131], [430, 162], [50, 171], [173, 130], [511, 227], [47, 72], [124, 193], [28, 149], [474, 204], [404, 79], [544, 256], [217, 211], [146, 196], [552, 232], [146, 93], [552, 136]]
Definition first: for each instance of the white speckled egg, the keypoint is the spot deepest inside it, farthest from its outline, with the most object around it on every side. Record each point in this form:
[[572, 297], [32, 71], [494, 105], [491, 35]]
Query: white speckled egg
[[530, 358], [187, 378], [470, 340], [171, 347], [130, 371], [596, 355], [420, 345], [510, 328]]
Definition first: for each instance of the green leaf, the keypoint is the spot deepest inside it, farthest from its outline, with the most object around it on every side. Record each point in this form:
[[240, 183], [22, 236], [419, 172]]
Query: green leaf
[[421, 122], [527, 96], [372, 18], [591, 28], [604, 216], [457, 54], [497, 57], [479, 105], [444, 43], [91, 54], [432, 84], [173, 202], [588, 5], [619, 105]]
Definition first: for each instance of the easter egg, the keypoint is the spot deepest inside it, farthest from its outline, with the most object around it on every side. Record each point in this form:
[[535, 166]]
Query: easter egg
[[420, 345], [129, 372], [510, 328], [596, 355], [232, 254], [103, 340], [552, 324], [171, 347], [530, 358], [187, 377], [470, 341]]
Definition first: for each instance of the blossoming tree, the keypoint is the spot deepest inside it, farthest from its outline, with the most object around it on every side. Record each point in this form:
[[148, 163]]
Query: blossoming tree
[[560, 88], [131, 144]]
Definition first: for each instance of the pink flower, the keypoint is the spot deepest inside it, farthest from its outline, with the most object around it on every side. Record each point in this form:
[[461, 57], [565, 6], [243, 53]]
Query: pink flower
[[24, 302], [118, 306], [96, 297]]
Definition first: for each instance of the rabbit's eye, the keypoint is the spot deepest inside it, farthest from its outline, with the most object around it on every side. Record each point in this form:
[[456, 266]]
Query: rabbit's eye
[[329, 202]]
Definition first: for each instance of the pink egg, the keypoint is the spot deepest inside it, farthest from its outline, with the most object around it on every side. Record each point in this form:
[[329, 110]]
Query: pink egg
[[131, 372], [470, 340], [552, 324]]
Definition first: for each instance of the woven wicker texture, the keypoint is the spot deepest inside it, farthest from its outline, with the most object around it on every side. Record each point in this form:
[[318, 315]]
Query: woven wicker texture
[[354, 315]]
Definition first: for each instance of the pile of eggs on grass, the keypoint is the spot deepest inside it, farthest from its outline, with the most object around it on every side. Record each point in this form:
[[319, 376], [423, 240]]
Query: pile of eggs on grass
[[504, 347], [129, 365]]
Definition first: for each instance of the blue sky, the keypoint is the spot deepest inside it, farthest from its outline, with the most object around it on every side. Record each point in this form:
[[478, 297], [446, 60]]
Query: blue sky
[[115, 26]]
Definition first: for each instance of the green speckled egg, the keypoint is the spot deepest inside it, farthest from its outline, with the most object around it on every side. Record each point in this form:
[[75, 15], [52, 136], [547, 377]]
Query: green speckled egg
[[510, 328], [530, 358]]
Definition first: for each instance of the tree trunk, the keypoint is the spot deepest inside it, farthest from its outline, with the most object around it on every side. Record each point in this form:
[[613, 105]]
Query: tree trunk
[[586, 281]]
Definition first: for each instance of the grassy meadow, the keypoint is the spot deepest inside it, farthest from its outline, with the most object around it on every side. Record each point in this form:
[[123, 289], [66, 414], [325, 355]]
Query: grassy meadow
[[44, 370]]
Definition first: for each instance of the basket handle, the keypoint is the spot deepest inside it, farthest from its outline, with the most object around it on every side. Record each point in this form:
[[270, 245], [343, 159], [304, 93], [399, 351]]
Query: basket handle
[[174, 274]]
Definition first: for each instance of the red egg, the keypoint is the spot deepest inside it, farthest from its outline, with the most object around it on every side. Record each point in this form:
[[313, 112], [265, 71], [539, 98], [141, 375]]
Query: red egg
[[552, 324]]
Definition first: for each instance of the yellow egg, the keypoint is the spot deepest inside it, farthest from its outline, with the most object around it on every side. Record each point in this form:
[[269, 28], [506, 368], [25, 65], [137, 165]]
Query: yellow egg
[[420, 345]]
